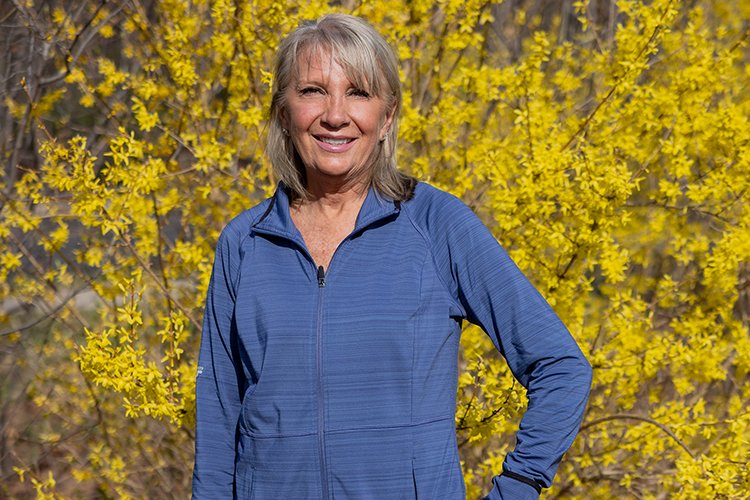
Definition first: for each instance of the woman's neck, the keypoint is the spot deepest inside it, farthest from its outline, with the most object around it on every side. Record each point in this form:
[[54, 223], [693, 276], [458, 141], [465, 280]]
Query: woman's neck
[[331, 200]]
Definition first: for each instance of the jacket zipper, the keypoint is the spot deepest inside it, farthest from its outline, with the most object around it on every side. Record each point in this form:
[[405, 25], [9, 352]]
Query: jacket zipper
[[321, 277], [319, 369]]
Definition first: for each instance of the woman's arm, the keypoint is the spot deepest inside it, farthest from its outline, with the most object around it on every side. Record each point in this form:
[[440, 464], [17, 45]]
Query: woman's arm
[[218, 383], [540, 351]]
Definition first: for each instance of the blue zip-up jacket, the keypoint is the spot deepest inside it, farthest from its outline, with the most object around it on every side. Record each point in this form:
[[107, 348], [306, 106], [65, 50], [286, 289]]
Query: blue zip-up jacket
[[342, 385]]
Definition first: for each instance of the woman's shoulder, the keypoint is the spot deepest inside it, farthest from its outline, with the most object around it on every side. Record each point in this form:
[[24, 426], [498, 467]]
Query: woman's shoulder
[[241, 224], [431, 206]]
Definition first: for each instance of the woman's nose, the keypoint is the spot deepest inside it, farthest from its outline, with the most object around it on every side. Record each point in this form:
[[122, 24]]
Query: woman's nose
[[335, 114]]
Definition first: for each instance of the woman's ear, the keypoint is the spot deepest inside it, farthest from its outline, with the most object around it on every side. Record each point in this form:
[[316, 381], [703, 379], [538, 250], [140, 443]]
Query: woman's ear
[[388, 122], [283, 119]]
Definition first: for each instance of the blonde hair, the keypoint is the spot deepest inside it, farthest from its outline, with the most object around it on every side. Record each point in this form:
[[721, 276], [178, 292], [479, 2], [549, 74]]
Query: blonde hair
[[369, 63]]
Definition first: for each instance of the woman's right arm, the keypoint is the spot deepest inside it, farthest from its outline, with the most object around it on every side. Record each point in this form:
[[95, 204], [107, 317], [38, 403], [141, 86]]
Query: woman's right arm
[[219, 380]]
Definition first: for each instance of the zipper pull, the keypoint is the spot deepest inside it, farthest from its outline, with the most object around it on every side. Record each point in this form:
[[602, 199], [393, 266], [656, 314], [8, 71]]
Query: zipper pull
[[321, 277]]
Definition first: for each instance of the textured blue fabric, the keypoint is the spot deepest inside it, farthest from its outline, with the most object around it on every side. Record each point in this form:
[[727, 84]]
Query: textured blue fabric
[[345, 387], [505, 488]]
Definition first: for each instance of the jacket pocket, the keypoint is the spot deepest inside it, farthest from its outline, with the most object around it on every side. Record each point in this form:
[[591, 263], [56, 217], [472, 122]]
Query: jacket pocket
[[414, 480], [438, 482], [244, 481]]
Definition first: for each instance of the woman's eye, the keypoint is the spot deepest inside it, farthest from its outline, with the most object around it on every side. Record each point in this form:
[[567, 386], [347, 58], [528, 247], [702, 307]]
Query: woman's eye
[[360, 93], [310, 90]]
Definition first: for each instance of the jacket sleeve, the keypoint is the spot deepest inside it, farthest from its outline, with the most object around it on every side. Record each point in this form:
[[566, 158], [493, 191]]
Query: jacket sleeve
[[540, 351], [219, 380]]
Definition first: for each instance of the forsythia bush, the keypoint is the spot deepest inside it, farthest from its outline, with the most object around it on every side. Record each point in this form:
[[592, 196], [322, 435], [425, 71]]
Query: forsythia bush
[[607, 145]]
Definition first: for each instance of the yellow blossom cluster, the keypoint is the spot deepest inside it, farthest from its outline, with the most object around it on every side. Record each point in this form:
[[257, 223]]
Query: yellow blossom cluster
[[605, 143]]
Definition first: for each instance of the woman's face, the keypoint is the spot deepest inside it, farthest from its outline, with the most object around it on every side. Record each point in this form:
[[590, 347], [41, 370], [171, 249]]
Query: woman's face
[[334, 125]]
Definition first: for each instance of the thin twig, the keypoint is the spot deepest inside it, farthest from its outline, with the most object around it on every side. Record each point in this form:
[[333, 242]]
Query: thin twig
[[144, 265], [611, 92], [49, 315], [630, 416]]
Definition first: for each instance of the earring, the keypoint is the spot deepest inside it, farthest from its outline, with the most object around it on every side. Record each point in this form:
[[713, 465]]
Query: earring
[[285, 132]]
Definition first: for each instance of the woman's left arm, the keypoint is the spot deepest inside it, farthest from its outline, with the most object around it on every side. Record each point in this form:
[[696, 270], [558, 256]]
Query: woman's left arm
[[219, 383], [540, 351]]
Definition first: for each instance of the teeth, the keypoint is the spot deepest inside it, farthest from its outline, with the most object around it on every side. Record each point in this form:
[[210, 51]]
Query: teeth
[[334, 142]]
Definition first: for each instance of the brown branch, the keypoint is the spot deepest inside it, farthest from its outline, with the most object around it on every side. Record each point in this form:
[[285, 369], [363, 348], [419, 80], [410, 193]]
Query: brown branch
[[739, 42], [144, 265], [630, 416], [48, 315], [689, 208], [611, 92], [76, 49]]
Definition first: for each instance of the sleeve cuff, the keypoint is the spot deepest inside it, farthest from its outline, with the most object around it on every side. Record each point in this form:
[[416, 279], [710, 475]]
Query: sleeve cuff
[[507, 488]]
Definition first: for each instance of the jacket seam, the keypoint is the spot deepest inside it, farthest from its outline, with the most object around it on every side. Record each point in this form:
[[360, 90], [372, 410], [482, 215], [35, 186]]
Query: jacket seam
[[350, 429], [386, 427], [242, 235], [278, 435], [438, 269], [238, 272]]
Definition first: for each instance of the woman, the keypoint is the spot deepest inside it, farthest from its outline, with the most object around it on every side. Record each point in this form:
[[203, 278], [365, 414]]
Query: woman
[[328, 363]]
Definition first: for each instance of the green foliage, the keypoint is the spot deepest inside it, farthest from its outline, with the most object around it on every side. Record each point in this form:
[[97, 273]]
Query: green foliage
[[605, 144]]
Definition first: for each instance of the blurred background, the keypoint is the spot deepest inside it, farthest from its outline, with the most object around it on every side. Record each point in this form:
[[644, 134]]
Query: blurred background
[[605, 143]]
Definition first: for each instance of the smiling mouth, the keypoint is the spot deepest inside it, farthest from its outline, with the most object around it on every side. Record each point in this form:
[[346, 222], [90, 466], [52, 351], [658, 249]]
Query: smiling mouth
[[332, 141]]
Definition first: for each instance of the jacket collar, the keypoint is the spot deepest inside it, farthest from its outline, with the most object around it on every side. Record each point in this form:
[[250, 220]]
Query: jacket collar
[[278, 221]]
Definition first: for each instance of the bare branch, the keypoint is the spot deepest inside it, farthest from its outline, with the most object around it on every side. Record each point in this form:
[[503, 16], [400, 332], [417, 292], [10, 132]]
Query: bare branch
[[627, 416]]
